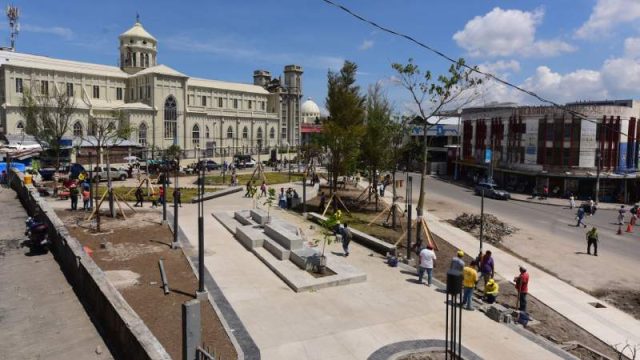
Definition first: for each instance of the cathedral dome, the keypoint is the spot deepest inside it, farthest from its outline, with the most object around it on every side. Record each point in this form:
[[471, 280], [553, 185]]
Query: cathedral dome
[[310, 108], [137, 31]]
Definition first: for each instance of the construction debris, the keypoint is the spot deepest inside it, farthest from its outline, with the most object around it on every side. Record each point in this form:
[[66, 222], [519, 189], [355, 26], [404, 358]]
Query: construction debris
[[494, 229]]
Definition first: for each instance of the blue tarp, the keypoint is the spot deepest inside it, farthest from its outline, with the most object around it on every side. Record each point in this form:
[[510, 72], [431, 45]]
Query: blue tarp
[[14, 165]]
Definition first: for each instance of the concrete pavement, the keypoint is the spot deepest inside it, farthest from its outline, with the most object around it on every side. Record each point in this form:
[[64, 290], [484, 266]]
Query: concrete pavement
[[348, 322], [608, 324], [40, 315]]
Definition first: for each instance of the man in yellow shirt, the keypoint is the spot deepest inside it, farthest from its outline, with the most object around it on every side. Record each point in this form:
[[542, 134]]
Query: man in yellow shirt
[[491, 291], [469, 279]]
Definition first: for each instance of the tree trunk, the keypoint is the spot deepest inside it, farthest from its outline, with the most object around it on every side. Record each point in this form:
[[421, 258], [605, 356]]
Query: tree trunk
[[423, 178]]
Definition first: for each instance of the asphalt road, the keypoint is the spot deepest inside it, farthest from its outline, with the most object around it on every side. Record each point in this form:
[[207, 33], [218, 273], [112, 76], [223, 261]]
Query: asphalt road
[[548, 234]]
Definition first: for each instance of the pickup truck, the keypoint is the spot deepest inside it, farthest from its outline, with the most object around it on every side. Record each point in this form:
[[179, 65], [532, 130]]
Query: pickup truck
[[100, 173]]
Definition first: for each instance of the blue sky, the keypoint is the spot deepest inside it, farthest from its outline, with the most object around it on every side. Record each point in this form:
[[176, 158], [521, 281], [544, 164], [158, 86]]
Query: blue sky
[[563, 49]]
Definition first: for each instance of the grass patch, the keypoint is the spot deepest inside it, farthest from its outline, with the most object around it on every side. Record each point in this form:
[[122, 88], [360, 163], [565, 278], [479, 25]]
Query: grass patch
[[272, 178], [186, 194]]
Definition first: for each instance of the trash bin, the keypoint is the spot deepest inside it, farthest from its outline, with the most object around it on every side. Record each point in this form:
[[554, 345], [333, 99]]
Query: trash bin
[[28, 179]]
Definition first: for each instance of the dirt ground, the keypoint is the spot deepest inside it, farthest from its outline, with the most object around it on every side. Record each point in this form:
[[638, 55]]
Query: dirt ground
[[136, 245], [551, 325], [426, 355]]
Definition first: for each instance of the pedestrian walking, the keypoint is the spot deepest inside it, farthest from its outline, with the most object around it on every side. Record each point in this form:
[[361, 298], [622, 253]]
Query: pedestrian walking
[[491, 291], [580, 217], [486, 268], [469, 279], [592, 239], [248, 189], [621, 213], [457, 263], [427, 259], [85, 199], [263, 189], [592, 206], [282, 199], [73, 194], [346, 239], [161, 196], [572, 202], [522, 286], [139, 197]]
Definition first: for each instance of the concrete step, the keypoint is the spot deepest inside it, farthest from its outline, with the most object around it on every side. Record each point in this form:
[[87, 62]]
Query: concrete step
[[304, 257], [251, 236], [276, 249], [284, 237]]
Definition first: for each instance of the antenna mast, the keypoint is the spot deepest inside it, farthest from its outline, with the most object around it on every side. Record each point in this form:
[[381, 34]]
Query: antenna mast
[[13, 13]]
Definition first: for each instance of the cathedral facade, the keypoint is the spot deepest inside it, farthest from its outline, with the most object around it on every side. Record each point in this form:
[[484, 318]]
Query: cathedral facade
[[162, 106]]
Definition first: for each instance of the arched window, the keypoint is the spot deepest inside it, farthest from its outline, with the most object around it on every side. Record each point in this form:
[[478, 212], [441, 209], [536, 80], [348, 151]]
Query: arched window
[[206, 131], [195, 135], [259, 135], [229, 132], [245, 133], [77, 129], [170, 118], [142, 134], [272, 133], [20, 127]]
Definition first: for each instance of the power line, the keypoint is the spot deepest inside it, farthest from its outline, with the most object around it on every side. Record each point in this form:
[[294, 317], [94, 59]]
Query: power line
[[473, 69]]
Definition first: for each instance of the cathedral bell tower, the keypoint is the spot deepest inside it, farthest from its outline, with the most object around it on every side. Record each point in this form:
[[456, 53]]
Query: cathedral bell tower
[[138, 49]]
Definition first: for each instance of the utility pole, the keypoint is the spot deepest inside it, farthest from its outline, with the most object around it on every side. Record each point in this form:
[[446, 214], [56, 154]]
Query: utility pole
[[598, 169], [90, 181], [201, 230], [164, 189], [481, 219], [174, 244], [409, 199]]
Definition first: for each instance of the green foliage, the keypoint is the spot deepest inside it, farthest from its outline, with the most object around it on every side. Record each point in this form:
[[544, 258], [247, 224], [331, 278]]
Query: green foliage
[[271, 197], [174, 151], [432, 96], [48, 118], [328, 226], [344, 128], [378, 136]]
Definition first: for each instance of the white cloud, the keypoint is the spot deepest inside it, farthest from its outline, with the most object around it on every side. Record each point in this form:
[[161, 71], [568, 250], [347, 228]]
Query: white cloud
[[622, 75], [632, 47], [506, 33], [607, 13], [501, 67], [229, 48], [367, 44], [62, 32], [581, 84]]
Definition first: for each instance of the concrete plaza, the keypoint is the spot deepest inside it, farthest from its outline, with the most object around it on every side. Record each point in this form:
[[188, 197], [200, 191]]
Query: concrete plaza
[[347, 322]]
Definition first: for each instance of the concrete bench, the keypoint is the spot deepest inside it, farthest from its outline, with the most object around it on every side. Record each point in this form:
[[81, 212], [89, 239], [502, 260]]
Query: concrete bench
[[367, 240], [305, 258], [287, 239], [243, 217], [249, 236], [259, 216], [276, 249]]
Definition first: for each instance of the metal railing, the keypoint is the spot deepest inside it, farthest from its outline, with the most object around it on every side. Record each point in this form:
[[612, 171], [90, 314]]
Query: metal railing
[[202, 354]]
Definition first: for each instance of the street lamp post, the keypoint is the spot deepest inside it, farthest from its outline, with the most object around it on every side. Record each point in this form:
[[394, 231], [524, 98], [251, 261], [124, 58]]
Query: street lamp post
[[598, 169], [164, 188], [481, 220], [90, 180], [201, 230], [174, 244], [409, 199]]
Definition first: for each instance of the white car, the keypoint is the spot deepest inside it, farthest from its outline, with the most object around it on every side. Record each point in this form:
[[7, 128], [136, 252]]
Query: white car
[[100, 173]]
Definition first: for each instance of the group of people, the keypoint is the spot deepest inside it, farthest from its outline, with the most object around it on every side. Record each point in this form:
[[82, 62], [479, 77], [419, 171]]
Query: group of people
[[84, 192], [482, 268], [285, 199]]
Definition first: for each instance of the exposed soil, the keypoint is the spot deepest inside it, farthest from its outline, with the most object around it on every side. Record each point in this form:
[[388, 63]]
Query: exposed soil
[[551, 325], [136, 244], [625, 300]]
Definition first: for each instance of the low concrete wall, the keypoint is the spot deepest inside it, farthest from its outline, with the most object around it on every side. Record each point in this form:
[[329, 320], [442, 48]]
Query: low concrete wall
[[127, 335]]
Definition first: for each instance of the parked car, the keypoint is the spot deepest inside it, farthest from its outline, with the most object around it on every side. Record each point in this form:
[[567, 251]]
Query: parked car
[[492, 191], [244, 161], [211, 165], [100, 173]]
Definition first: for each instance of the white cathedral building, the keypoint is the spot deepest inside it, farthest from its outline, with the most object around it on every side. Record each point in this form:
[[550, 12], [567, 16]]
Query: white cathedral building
[[161, 105]]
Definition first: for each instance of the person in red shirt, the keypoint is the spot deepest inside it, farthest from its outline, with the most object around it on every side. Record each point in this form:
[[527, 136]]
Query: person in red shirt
[[522, 286]]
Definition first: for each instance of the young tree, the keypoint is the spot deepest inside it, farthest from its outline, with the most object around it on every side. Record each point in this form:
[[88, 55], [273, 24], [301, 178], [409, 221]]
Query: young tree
[[431, 97], [378, 134], [345, 126], [103, 134], [48, 119]]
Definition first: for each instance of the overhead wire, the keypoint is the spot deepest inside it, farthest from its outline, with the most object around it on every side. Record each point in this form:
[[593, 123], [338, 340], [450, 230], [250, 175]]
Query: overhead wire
[[471, 68]]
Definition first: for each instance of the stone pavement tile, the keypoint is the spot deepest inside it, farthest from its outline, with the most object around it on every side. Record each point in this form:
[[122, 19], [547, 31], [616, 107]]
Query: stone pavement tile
[[291, 350], [327, 347], [359, 342]]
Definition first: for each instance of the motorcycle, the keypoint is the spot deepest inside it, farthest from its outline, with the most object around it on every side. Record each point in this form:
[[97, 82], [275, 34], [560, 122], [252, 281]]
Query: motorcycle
[[38, 235]]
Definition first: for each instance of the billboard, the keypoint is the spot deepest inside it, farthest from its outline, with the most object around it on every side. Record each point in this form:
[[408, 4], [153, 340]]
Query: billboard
[[588, 144]]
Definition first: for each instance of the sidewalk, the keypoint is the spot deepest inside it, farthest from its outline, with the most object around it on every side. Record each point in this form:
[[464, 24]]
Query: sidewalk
[[608, 324], [40, 315], [345, 322]]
